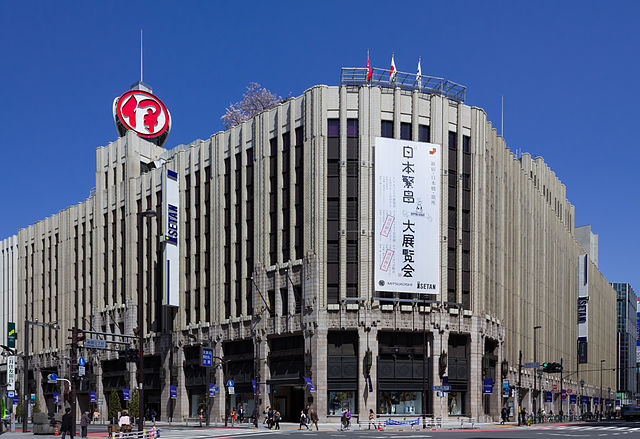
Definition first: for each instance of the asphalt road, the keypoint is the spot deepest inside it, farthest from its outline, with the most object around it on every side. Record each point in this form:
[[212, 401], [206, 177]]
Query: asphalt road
[[587, 430]]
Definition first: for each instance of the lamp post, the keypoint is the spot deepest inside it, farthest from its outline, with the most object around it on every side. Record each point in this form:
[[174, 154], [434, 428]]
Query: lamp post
[[148, 214], [581, 395], [600, 411], [25, 378], [535, 389]]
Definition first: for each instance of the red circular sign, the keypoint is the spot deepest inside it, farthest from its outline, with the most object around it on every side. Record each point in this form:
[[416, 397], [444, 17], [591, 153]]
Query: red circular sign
[[143, 113]]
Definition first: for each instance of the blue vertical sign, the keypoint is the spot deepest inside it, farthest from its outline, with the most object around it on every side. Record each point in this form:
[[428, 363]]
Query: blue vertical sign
[[505, 388], [212, 390], [487, 386], [56, 398], [125, 394], [255, 387], [173, 392], [573, 399], [92, 396], [585, 400], [548, 397], [207, 357]]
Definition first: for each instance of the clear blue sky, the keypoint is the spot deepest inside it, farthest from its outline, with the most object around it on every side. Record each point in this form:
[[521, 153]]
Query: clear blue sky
[[569, 73]]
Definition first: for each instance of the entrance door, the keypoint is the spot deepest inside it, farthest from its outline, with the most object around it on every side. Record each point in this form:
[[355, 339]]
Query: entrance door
[[289, 401]]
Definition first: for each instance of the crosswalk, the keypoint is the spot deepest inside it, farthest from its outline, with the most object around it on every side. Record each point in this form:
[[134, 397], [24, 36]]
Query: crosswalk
[[214, 433], [617, 429]]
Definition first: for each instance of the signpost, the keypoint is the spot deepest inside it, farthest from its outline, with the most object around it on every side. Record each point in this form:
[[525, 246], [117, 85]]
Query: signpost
[[207, 357], [92, 343], [534, 365], [52, 378], [11, 334], [441, 388]]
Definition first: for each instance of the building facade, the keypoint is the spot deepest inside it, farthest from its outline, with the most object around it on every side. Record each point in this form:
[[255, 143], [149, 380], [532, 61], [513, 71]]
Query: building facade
[[627, 340], [277, 237]]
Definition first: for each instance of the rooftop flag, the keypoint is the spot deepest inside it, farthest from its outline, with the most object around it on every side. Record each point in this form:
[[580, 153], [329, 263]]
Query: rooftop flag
[[392, 75]]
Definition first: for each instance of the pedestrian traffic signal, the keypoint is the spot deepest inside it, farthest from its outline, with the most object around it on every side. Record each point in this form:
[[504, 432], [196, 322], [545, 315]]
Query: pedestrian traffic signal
[[552, 367]]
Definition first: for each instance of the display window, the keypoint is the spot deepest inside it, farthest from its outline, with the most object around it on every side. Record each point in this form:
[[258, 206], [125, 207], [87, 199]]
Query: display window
[[399, 403]]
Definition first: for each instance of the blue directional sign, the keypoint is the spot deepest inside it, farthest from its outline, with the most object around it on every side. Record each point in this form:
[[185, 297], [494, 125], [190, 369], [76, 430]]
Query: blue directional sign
[[573, 399], [125, 394], [212, 390], [207, 357], [548, 397], [11, 393], [52, 377], [585, 400], [441, 388], [173, 392], [81, 361], [230, 383], [15, 400], [56, 398], [92, 396]]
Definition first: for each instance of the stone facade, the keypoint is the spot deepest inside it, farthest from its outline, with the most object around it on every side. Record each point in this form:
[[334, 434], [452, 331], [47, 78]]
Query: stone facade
[[277, 275]]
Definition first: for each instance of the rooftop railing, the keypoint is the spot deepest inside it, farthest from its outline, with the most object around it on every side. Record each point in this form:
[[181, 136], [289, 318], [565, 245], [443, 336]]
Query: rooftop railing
[[357, 76]]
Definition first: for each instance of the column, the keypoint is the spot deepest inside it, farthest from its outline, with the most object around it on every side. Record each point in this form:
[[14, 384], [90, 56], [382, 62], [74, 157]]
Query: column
[[319, 368], [218, 407], [475, 371], [440, 344], [181, 408]]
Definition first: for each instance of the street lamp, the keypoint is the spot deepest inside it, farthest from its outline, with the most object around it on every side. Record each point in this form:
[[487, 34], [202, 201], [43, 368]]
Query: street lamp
[[148, 214], [600, 411], [25, 380], [535, 389], [581, 395]]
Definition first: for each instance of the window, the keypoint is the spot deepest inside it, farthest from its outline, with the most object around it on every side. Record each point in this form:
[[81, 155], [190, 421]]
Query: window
[[405, 131], [333, 127], [387, 128], [337, 402], [400, 403], [424, 133]]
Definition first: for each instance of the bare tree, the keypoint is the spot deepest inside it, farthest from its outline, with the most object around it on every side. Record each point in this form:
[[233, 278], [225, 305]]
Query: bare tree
[[254, 100]]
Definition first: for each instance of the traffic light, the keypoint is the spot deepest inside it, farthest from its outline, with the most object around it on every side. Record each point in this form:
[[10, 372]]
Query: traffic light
[[76, 336], [129, 355], [551, 367]]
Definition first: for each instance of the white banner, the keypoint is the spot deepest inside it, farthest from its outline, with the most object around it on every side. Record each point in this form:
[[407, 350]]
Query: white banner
[[170, 231], [407, 216], [583, 297], [11, 373]]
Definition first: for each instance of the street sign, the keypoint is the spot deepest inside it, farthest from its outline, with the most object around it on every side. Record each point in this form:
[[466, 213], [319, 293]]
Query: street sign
[[81, 371], [125, 395], [173, 392], [548, 397], [15, 400], [231, 390], [207, 357], [92, 343], [505, 388], [11, 334], [573, 399], [11, 372], [533, 365], [212, 390], [11, 393], [33, 397], [92, 396], [230, 383], [441, 388], [81, 361], [56, 398], [52, 377]]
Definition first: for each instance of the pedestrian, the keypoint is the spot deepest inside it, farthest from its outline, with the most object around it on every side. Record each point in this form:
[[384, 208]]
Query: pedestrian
[[276, 416], [96, 415], [84, 423], [270, 418], [503, 414], [125, 422], [241, 413], [233, 416], [200, 415], [303, 420], [314, 418], [153, 416], [67, 424], [372, 417]]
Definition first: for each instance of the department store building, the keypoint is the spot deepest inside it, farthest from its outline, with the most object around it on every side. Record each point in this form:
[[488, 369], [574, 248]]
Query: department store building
[[281, 266]]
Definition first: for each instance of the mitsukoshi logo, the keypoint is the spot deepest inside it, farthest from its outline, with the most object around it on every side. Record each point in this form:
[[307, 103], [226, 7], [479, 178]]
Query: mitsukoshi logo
[[143, 113]]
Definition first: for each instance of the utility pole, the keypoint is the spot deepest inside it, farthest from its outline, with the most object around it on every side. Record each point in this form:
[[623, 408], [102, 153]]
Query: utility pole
[[560, 412], [25, 380], [72, 380], [519, 388]]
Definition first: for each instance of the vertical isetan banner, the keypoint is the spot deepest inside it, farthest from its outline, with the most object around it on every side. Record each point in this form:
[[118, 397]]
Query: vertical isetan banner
[[407, 216], [583, 308], [170, 238]]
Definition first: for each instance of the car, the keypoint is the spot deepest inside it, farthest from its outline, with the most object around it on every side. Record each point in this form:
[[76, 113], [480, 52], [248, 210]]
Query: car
[[630, 412]]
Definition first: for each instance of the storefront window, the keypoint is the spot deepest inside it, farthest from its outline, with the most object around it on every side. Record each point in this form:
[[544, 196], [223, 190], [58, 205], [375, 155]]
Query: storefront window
[[399, 403], [339, 401], [455, 403]]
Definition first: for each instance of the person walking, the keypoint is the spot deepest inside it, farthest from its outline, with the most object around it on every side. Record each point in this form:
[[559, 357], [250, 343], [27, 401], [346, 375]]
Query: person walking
[[200, 416], [84, 423], [233, 416], [277, 418], [314, 418], [125, 422], [67, 424], [372, 419]]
